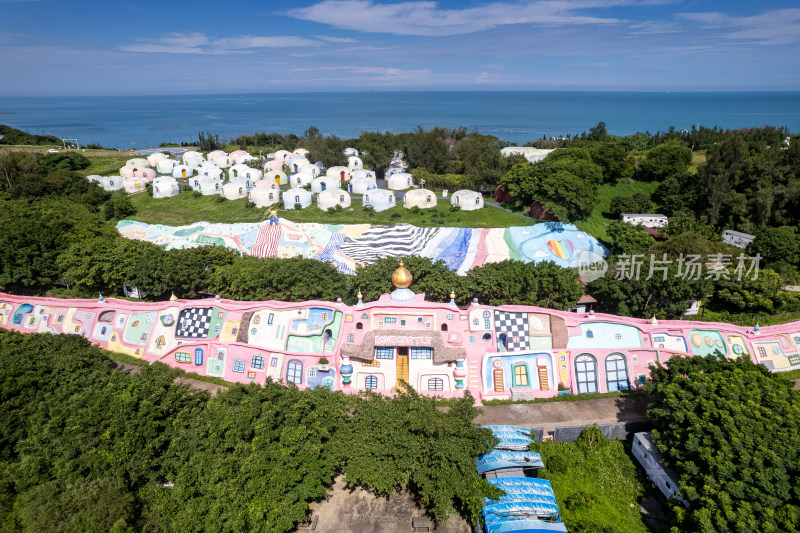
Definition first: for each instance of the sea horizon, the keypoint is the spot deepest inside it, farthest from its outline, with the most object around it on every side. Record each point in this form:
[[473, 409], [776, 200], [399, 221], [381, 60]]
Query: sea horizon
[[514, 116]]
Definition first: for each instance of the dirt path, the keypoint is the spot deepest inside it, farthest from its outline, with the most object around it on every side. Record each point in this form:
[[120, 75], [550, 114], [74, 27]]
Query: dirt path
[[213, 388]]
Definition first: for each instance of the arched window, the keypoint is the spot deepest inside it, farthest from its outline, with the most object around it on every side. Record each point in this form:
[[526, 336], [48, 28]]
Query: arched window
[[444, 327], [436, 384], [455, 199], [359, 325], [371, 382], [586, 373], [429, 198], [341, 198], [502, 342], [297, 199], [487, 337], [366, 199], [294, 372], [478, 200], [616, 372]]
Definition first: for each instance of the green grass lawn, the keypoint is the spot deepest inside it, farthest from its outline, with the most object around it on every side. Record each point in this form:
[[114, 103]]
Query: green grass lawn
[[105, 165], [597, 488], [186, 208], [597, 224]]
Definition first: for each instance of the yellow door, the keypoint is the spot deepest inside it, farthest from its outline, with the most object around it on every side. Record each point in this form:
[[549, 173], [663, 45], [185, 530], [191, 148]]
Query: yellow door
[[402, 371], [498, 380], [544, 383]]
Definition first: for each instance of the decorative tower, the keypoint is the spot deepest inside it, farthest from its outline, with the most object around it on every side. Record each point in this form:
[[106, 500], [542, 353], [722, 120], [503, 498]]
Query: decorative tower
[[346, 370], [401, 279], [453, 299], [360, 298]]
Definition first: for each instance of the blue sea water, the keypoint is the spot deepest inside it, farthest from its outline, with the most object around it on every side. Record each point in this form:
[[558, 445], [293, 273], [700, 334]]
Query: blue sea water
[[518, 117]]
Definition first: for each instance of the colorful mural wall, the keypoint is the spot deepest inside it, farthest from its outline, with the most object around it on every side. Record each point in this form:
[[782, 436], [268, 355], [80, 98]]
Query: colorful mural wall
[[505, 352], [349, 245]]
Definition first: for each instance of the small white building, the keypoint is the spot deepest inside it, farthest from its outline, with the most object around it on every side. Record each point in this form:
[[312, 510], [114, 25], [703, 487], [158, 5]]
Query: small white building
[[296, 162], [362, 185], [264, 197], [647, 220], [94, 178], [133, 185], [300, 180], [165, 187], [273, 165], [325, 183], [400, 181], [182, 171], [379, 199], [355, 163], [467, 200], [296, 199], [237, 169], [234, 191], [527, 151], [422, 198], [111, 183], [277, 176], [333, 197], [281, 155], [300, 151], [165, 165], [737, 238], [340, 173], [646, 452], [351, 152], [215, 154]]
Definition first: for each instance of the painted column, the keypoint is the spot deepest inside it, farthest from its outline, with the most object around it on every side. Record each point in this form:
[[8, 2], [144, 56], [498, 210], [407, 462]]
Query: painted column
[[459, 373], [346, 370]]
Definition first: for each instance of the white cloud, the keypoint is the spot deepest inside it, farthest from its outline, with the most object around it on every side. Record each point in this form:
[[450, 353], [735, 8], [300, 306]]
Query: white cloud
[[336, 39], [198, 43], [426, 18], [376, 73], [780, 26]]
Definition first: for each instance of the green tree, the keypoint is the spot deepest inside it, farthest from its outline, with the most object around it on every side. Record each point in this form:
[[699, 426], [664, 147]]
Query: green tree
[[613, 159], [629, 238], [638, 203], [665, 160], [429, 150], [508, 282], [433, 278], [776, 244]]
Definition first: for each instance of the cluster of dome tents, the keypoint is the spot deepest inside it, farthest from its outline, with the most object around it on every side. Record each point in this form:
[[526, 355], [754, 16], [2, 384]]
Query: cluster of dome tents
[[232, 176]]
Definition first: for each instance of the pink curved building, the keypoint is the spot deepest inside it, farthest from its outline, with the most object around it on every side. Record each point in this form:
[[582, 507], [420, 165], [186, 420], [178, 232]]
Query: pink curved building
[[509, 352]]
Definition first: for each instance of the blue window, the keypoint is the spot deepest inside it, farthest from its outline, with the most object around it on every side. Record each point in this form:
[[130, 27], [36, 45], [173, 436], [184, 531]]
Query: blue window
[[238, 366], [198, 356], [273, 361], [384, 352], [257, 362], [371, 382], [421, 353], [270, 318], [436, 384], [589, 334], [294, 372]]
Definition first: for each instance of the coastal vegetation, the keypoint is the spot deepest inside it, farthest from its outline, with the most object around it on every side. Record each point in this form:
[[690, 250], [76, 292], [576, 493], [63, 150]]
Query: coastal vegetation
[[87, 448], [729, 429]]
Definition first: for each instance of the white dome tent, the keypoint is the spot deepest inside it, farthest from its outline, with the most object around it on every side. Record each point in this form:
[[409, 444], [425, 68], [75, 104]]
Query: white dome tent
[[138, 162], [300, 151], [422, 198], [215, 154], [111, 183], [266, 184], [209, 186], [314, 170], [165, 166], [362, 185], [237, 169], [182, 171], [355, 163], [192, 159], [133, 185], [300, 180], [331, 198], [147, 174], [296, 162], [340, 173], [296, 199], [234, 191], [94, 178], [379, 199], [351, 152], [324, 184], [211, 172], [155, 157], [165, 187], [126, 171], [241, 180], [400, 181], [277, 176], [467, 200], [264, 197]]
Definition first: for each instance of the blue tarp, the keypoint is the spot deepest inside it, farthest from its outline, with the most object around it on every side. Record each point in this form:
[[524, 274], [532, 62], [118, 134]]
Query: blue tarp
[[525, 526], [522, 508], [508, 459], [515, 441], [506, 429]]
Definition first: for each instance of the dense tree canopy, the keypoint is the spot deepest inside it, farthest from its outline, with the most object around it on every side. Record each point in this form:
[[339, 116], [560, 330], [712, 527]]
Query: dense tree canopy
[[730, 430]]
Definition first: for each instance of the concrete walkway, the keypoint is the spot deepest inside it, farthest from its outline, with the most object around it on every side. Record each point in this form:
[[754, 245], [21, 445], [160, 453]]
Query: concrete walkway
[[550, 415]]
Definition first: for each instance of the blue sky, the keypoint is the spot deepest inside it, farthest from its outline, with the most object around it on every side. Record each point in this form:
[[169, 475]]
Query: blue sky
[[179, 47]]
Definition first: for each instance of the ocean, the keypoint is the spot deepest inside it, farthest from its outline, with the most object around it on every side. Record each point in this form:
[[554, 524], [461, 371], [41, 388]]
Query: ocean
[[127, 122]]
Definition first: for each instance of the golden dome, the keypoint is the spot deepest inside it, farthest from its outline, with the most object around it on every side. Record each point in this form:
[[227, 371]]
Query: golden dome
[[402, 278]]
